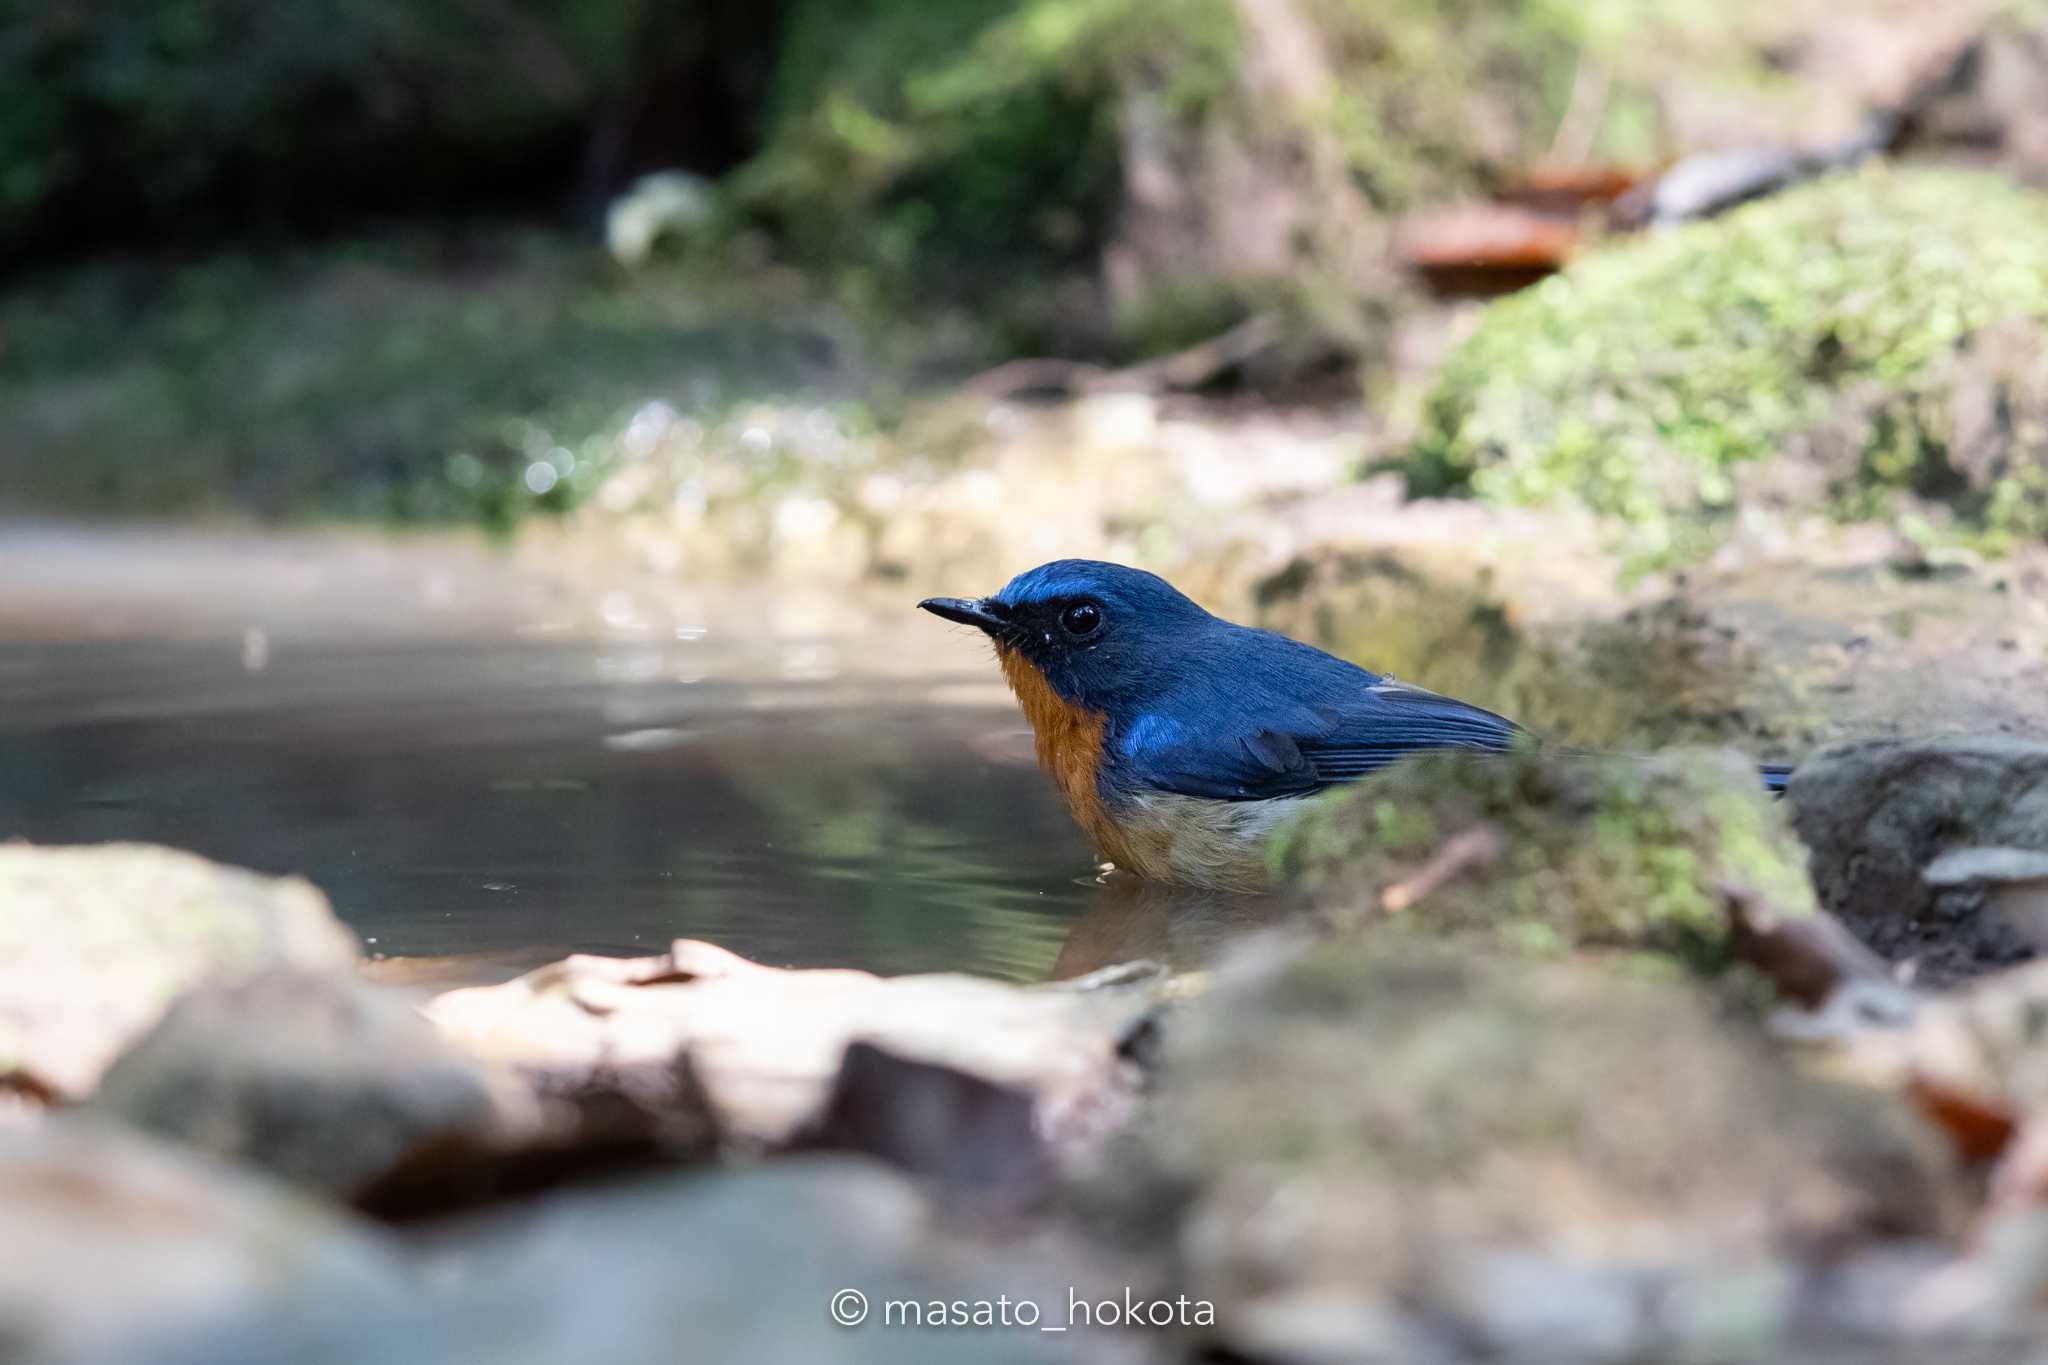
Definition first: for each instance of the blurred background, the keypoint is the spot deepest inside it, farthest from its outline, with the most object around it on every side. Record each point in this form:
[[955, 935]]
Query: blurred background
[[482, 453]]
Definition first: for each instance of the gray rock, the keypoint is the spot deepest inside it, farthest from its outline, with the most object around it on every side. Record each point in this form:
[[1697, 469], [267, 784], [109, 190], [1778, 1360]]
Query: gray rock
[[112, 1240], [1877, 816], [729, 1267], [1509, 1159], [96, 941], [321, 1079]]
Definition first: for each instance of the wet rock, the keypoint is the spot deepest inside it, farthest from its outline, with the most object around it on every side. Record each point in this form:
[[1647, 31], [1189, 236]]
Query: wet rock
[[323, 1080], [96, 941], [768, 1044], [729, 1267], [1427, 1155], [113, 1241], [1879, 815], [1545, 853]]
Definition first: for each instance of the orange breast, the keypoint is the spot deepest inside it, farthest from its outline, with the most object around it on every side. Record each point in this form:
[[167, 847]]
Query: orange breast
[[1070, 740]]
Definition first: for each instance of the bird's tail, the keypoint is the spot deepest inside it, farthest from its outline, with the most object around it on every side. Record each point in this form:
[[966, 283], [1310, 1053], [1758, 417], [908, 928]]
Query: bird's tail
[[1775, 776]]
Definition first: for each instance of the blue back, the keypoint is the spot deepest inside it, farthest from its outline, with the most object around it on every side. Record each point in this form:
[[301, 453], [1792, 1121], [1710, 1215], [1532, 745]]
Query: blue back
[[1199, 706]]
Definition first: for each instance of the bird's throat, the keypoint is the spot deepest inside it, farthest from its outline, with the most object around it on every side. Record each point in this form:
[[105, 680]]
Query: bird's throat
[[1070, 747]]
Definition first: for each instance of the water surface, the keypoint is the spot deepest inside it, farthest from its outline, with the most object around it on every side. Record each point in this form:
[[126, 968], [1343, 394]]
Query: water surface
[[471, 760]]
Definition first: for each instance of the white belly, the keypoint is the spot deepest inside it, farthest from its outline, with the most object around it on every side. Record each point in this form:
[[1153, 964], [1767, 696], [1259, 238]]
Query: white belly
[[1219, 844]]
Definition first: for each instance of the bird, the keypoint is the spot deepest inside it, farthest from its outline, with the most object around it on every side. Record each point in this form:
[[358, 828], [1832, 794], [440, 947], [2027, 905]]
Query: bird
[[1180, 740]]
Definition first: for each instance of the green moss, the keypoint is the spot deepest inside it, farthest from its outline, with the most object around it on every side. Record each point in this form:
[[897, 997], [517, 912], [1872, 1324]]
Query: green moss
[[1602, 853], [909, 141], [909, 137], [132, 118], [1845, 325]]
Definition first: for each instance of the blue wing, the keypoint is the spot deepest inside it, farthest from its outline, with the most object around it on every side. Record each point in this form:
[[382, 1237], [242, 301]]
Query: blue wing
[[1306, 747], [1395, 720]]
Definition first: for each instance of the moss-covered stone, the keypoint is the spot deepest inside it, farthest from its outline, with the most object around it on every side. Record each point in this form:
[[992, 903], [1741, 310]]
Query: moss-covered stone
[[1340, 1124], [1875, 334], [1563, 851]]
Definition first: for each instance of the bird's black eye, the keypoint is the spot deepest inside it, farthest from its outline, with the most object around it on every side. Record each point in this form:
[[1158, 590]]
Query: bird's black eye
[[1081, 618]]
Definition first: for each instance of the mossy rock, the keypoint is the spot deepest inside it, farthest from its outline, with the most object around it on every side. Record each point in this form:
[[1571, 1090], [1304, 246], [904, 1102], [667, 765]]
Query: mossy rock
[[1562, 851], [1872, 335], [1394, 1129]]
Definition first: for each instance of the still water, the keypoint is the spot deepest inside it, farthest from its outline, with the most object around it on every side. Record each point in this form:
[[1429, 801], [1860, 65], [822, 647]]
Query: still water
[[475, 762]]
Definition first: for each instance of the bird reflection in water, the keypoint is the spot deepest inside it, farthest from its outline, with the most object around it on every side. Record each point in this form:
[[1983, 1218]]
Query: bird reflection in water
[[1181, 927]]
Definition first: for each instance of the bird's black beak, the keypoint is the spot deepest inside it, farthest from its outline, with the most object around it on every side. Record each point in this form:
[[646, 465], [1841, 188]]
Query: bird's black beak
[[984, 614]]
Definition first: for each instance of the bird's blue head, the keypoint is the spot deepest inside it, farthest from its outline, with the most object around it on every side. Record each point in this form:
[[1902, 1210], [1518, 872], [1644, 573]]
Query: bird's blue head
[[1102, 636]]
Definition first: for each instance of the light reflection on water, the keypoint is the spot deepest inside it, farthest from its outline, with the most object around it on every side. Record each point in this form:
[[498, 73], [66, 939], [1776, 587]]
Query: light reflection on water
[[476, 788], [507, 800]]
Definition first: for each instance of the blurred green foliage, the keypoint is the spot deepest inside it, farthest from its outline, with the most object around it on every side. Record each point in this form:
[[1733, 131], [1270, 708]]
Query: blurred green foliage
[[411, 378], [1846, 326], [917, 145], [129, 118], [1439, 97], [930, 160], [962, 145]]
